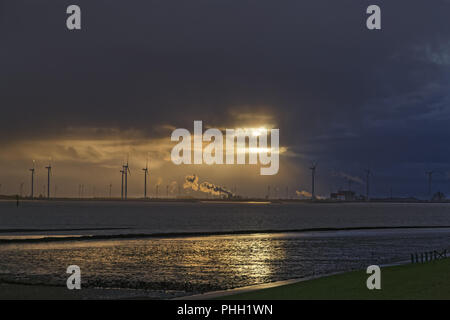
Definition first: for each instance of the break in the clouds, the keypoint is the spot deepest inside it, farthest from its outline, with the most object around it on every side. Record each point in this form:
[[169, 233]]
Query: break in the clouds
[[341, 95]]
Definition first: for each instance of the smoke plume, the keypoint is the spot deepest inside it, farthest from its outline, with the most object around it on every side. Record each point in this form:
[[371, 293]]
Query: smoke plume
[[173, 187], [191, 182], [303, 193], [348, 177]]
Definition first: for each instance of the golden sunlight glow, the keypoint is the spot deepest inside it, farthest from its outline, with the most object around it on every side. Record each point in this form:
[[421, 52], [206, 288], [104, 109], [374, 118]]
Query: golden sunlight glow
[[258, 131], [258, 150], [250, 255]]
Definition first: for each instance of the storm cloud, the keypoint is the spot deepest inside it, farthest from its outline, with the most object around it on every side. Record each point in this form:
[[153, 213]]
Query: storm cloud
[[341, 95]]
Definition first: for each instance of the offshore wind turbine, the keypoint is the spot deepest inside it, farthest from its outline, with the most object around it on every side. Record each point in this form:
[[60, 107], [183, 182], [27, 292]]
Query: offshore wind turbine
[[313, 178], [145, 178], [49, 169], [32, 180]]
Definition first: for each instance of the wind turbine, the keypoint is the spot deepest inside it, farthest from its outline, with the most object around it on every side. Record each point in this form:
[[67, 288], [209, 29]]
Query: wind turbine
[[49, 169], [145, 178], [32, 180], [313, 177], [126, 170]]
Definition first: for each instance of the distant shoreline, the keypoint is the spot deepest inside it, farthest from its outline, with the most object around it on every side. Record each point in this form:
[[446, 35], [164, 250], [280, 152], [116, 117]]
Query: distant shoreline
[[224, 201]]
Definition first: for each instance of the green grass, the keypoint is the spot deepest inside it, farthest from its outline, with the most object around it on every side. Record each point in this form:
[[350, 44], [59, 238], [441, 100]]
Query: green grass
[[413, 281]]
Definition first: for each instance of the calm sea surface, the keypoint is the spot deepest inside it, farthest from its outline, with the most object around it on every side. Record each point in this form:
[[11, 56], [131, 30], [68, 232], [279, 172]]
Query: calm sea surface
[[167, 265]]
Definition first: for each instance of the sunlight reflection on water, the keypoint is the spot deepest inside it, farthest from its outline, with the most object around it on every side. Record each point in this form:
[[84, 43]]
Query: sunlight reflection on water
[[182, 266]]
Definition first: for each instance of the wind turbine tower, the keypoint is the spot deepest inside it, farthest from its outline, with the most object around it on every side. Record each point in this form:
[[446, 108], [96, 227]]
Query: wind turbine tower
[[49, 169], [32, 181], [126, 171], [313, 177], [145, 179]]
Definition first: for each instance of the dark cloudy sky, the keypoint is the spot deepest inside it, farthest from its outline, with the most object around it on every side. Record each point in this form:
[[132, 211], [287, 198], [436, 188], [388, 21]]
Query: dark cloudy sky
[[340, 94]]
